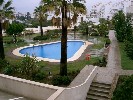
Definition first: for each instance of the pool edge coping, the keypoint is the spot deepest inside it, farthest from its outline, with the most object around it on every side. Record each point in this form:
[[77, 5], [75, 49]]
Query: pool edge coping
[[73, 58]]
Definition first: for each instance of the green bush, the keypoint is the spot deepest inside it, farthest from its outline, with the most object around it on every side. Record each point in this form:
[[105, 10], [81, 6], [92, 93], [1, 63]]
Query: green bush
[[124, 90], [40, 38], [28, 66], [3, 63], [101, 62], [40, 75], [8, 70], [129, 49], [94, 34], [49, 35], [107, 42], [61, 80]]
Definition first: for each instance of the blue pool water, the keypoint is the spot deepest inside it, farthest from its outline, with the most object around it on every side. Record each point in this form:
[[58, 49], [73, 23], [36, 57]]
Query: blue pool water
[[53, 50]]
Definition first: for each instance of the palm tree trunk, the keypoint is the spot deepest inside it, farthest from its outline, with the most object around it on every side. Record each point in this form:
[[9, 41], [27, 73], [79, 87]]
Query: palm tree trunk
[[2, 56], [41, 29], [74, 32], [63, 61]]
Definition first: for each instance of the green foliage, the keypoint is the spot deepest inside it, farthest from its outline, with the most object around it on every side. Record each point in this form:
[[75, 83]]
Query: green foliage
[[40, 38], [128, 29], [61, 80], [123, 26], [101, 62], [15, 28], [49, 35], [102, 29], [126, 62], [119, 23], [94, 34], [124, 90], [107, 42], [8, 70], [3, 63], [28, 66], [40, 75], [129, 49], [83, 25]]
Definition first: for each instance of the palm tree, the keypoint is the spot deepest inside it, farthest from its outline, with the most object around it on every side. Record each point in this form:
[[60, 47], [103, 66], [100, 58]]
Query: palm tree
[[6, 12], [40, 15], [62, 8]]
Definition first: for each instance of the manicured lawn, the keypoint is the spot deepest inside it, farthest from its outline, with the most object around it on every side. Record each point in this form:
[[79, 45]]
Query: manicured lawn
[[99, 45], [46, 67], [73, 66], [126, 62]]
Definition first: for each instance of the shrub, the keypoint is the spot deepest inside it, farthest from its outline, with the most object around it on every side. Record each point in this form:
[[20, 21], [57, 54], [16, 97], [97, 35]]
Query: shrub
[[3, 63], [61, 80], [124, 90], [8, 70], [48, 35], [28, 66], [40, 75], [40, 38], [107, 42], [101, 62], [94, 34], [129, 49]]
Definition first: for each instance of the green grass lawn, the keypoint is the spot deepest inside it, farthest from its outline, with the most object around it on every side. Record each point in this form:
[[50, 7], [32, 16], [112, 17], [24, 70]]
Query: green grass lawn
[[47, 67], [72, 66], [101, 44], [126, 62], [54, 68]]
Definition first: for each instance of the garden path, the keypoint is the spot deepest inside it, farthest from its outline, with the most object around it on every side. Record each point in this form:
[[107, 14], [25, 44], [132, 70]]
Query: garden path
[[107, 74]]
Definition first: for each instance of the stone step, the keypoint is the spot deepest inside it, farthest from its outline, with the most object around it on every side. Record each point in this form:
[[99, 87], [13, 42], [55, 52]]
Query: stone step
[[99, 94], [101, 85], [91, 97], [99, 89]]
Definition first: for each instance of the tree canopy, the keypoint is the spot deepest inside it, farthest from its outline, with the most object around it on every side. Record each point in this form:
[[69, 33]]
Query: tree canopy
[[15, 28]]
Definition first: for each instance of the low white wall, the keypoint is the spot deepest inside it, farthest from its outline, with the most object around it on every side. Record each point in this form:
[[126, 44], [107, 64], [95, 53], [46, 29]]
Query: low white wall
[[26, 88], [40, 91], [78, 92], [37, 30]]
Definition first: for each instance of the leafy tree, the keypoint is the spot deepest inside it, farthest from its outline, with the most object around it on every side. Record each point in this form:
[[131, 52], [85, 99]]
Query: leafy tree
[[102, 29], [15, 28], [128, 36], [6, 12], [40, 14], [119, 25], [62, 7], [83, 25]]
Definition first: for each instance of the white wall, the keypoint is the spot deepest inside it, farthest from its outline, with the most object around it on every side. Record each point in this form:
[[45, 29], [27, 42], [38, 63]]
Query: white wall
[[40, 91], [78, 92], [26, 88], [37, 30]]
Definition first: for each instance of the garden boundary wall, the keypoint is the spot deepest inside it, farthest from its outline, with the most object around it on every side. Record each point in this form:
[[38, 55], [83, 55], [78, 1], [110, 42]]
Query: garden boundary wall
[[27, 88], [78, 92], [40, 91]]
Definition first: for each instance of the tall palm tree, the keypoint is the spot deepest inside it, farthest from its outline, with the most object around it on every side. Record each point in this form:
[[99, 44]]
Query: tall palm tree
[[6, 12], [40, 14], [62, 8]]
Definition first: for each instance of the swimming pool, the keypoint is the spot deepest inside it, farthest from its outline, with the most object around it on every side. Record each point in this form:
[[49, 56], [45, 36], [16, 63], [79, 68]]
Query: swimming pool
[[52, 51]]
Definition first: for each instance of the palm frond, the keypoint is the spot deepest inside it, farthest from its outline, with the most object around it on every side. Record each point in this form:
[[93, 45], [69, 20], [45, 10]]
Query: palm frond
[[8, 4], [1, 2], [10, 8]]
